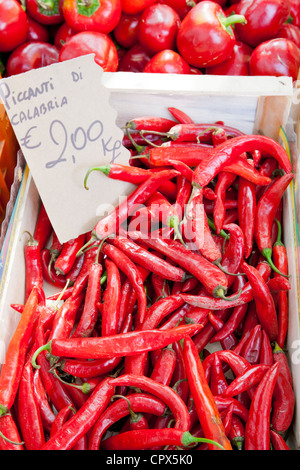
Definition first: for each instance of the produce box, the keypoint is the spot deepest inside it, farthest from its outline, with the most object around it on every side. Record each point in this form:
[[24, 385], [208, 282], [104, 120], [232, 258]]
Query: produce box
[[255, 105]]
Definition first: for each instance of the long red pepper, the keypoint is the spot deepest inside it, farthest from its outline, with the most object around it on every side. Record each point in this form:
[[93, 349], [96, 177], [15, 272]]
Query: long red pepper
[[208, 413], [43, 227], [15, 355], [152, 123], [225, 180], [234, 252], [257, 430], [116, 345], [280, 260], [111, 300], [83, 419], [265, 215], [139, 402], [67, 256], [29, 416], [124, 263], [227, 151], [278, 443], [33, 266], [47, 414], [246, 209], [163, 392], [243, 382], [265, 306], [199, 132]]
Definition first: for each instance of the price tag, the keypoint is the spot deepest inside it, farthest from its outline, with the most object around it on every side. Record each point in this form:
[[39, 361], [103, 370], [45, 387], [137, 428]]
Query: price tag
[[65, 125]]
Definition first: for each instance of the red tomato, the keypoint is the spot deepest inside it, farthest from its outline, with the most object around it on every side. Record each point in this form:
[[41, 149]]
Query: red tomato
[[92, 15], [278, 57], [126, 31], [236, 64], [31, 55], [88, 42], [167, 61], [205, 36], [132, 7], [158, 28], [37, 31], [63, 34], [45, 12], [13, 25], [134, 60], [264, 19]]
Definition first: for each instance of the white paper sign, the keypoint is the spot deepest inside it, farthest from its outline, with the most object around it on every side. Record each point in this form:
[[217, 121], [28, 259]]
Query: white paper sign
[[65, 125]]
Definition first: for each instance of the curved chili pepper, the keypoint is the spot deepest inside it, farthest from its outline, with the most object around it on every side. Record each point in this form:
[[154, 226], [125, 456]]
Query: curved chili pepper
[[43, 227], [149, 260], [65, 316], [283, 403], [124, 263], [99, 367], [116, 345], [179, 379], [180, 115], [208, 413], [281, 262], [243, 168], [246, 211], [47, 414], [145, 439], [265, 215], [234, 252], [218, 383], [278, 443], [265, 307], [237, 363], [29, 416], [111, 300], [245, 381], [207, 273], [150, 123], [49, 274], [190, 155], [15, 355], [89, 315], [257, 429], [9, 434], [139, 402], [226, 152], [199, 132], [60, 419], [163, 392], [225, 180], [230, 341], [83, 420], [33, 267], [65, 260], [90, 256], [252, 347], [205, 335], [164, 367]]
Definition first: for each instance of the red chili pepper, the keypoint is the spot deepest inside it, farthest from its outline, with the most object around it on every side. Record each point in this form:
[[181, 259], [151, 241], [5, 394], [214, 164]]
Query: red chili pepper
[[15, 355], [47, 414], [247, 208], [60, 419], [245, 169], [283, 403], [230, 341], [279, 355], [33, 267], [265, 214], [89, 315], [43, 227], [49, 274], [225, 180], [124, 263], [266, 354], [64, 320], [208, 413], [257, 430], [145, 439], [29, 416], [180, 115], [228, 151], [9, 434], [237, 432], [83, 420], [200, 132], [277, 441], [265, 307], [281, 262], [218, 383], [252, 347], [163, 392], [191, 155], [139, 403], [111, 300], [234, 252], [64, 262], [245, 381], [82, 278], [150, 123], [237, 363]]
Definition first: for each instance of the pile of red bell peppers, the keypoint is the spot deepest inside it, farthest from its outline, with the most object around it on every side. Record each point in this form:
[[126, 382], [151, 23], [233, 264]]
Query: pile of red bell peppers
[[223, 37]]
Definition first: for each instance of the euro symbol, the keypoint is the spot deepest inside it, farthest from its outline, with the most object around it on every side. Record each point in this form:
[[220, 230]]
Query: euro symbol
[[26, 141]]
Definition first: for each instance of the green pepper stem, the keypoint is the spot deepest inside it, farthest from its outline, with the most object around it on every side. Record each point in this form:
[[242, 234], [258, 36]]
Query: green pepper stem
[[218, 264], [188, 439], [10, 441], [267, 253], [105, 169], [85, 387], [232, 19], [3, 410], [279, 234], [221, 294], [45, 347]]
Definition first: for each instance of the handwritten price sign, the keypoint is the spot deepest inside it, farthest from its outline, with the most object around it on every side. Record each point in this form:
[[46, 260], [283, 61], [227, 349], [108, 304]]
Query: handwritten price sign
[[65, 124]]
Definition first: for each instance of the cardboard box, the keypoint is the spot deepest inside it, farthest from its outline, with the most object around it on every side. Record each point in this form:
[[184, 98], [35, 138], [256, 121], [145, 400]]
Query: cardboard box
[[255, 105]]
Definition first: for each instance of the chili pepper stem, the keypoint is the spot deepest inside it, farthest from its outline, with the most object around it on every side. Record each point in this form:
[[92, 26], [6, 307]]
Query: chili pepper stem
[[267, 253], [104, 169], [87, 245], [44, 347], [220, 292], [85, 387], [218, 263], [188, 439], [10, 441], [3, 410], [238, 442]]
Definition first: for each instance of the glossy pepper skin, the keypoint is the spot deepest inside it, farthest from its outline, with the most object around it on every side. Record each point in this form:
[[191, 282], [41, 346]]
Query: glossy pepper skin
[[264, 19], [205, 36], [277, 57]]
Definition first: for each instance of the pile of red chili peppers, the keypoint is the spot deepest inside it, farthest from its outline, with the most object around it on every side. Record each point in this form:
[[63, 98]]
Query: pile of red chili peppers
[[168, 327]]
